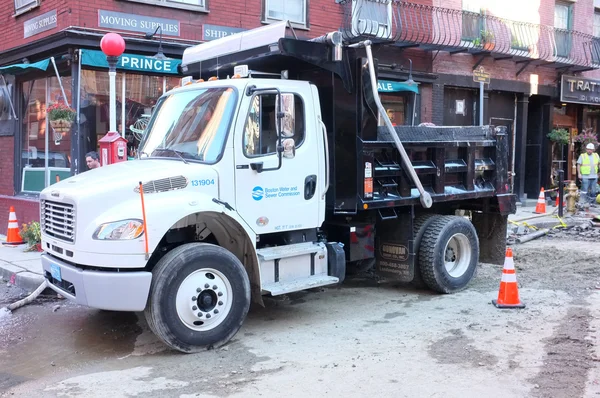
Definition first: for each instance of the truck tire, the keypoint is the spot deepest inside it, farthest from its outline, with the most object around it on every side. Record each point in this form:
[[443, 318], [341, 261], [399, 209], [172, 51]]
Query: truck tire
[[199, 297], [420, 225], [449, 254]]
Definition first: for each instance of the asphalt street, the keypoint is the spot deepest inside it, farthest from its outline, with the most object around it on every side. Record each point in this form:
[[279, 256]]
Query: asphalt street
[[362, 338]]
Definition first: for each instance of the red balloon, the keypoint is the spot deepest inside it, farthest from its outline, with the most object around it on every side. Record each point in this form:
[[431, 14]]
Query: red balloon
[[112, 44]]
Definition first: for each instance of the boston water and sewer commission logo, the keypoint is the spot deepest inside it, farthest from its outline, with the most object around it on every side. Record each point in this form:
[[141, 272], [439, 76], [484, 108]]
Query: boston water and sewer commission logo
[[258, 193]]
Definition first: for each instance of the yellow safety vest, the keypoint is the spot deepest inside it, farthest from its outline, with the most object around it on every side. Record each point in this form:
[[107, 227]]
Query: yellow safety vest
[[585, 163]]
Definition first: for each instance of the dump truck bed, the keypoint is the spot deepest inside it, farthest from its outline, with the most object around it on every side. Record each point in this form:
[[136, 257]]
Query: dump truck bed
[[453, 163]]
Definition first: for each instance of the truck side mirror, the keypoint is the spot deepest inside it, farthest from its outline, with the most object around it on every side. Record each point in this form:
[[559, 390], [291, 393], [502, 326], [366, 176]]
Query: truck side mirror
[[289, 148]]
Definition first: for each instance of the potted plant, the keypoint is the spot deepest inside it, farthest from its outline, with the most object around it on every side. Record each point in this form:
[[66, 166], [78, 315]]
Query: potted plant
[[585, 137], [487, 38], [559, 136], [61, 119], [31, 233]]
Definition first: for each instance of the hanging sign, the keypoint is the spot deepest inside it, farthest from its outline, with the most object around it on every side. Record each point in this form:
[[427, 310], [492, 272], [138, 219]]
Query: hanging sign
[[389, 86], [579, 90], [481, 76], [138, 63]]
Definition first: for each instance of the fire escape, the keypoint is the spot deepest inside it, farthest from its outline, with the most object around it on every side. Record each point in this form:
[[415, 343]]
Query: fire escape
[[430, 28]]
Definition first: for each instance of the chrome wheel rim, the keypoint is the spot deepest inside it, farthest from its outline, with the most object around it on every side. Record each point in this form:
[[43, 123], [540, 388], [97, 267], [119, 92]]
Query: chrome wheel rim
[[457, 255], [204, 299]]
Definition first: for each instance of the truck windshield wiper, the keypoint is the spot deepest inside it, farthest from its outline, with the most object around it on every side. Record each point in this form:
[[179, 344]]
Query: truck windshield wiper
[[178, 153]]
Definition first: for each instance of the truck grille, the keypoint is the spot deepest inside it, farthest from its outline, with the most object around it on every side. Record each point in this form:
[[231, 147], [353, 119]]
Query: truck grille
[[58, 220]]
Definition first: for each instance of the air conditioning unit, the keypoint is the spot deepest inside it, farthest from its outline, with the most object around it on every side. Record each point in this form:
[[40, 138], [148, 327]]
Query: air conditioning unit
[[372, 18]]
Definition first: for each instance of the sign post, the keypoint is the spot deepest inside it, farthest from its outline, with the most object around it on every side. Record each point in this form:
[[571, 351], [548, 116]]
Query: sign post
[[482, 77]]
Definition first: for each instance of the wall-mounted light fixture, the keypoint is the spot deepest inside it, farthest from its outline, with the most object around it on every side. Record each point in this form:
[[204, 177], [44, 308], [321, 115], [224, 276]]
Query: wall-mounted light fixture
[[159, 54]]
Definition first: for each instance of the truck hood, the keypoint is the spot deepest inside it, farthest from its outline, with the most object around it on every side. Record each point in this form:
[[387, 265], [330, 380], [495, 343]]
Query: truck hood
[[118, 181]]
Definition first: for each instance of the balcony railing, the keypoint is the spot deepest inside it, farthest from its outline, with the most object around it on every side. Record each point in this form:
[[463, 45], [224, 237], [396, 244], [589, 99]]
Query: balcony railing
[[434, 28]]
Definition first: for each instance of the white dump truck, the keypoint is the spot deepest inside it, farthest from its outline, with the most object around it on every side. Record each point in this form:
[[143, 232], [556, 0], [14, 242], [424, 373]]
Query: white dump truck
[[271, 173]]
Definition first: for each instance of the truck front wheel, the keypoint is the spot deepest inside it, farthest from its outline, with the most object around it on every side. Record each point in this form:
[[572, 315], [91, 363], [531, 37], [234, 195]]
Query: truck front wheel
[[199, 297], [448, 254]]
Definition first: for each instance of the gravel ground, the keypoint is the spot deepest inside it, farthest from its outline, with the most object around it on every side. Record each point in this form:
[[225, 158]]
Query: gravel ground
[[361, 338]]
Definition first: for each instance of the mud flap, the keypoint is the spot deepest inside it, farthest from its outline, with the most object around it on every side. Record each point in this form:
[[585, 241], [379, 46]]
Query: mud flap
[[395, 249], [491, 231], [336, 260]]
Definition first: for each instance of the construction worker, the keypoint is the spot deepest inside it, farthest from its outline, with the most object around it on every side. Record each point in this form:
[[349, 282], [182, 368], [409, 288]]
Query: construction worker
[[587, 170]]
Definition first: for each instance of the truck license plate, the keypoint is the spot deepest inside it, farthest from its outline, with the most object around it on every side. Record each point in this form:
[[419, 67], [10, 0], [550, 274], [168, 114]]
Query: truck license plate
[[55, 271]]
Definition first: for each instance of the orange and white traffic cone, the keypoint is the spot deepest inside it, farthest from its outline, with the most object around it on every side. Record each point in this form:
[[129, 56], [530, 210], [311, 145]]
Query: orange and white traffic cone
[[540, 208], [508, 295], [13, 238]]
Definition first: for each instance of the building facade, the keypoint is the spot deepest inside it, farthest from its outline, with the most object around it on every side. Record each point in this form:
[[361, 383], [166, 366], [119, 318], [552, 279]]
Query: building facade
[[50, 53], [429, 52]]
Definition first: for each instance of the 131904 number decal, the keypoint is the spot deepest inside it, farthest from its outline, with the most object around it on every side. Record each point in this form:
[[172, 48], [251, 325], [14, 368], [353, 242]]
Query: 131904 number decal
[[202, 183]]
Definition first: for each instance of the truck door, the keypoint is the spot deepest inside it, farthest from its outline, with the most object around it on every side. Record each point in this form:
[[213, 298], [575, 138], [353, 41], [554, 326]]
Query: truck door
[[278, 198]]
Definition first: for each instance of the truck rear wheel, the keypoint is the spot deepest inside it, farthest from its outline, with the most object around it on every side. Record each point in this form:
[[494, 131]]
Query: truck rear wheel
[[199, 297], [448, 254], [420, 225]]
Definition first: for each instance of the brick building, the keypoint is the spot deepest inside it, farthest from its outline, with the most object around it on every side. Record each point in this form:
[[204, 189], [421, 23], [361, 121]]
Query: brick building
[[51, 50], [50, 53]]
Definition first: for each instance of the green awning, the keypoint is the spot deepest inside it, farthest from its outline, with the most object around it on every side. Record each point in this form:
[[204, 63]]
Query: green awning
[[17, 69], [132, 62], [389, 86]]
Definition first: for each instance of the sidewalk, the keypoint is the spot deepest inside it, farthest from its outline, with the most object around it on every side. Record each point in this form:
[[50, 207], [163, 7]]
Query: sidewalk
[[20, 268]]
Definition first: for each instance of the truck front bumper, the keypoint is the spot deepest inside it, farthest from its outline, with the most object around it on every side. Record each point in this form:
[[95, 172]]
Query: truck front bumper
[[106, 290]]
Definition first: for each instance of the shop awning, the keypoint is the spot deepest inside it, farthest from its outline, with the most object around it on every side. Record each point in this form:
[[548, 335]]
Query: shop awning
[[389, 86], [133, 62], [17, 69]]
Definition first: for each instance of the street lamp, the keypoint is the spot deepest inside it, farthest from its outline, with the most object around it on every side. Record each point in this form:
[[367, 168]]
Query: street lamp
[[112, 45]]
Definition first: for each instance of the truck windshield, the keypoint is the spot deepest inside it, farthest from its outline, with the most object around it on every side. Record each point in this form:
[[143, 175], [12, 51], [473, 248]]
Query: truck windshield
[[190, 125]]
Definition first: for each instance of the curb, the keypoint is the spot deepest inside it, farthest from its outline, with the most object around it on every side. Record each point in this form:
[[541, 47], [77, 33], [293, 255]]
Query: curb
[[20, 278], [17, 276]]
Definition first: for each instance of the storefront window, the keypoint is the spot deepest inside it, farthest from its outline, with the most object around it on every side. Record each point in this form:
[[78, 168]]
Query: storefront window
[[591, 117], [5, 99], [141, 94], [94, 107], [395, 106], [45, 157]]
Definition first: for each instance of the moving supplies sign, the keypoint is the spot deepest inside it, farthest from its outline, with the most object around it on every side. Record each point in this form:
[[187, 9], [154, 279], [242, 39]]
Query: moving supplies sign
[[137, 23], [39, 24]]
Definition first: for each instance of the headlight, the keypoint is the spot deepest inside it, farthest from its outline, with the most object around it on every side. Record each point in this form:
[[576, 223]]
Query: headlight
[[120, 230]]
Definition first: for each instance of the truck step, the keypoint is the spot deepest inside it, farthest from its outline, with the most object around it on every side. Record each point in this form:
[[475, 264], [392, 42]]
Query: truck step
[[278, 252], [387, 214], [279, 288], [387, 183]]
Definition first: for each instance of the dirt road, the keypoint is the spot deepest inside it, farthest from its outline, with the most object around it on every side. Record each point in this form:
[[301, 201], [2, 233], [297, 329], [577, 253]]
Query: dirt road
[[352, 341]]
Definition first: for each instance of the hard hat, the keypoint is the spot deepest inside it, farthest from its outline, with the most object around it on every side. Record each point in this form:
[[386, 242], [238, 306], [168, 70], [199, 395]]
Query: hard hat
[[590, 146]]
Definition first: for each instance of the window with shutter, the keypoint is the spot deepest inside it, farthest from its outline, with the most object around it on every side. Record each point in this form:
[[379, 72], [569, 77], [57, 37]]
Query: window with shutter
[[294, 11]]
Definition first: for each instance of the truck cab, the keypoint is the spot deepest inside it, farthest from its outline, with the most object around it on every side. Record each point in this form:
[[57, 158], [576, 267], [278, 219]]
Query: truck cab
[[267, 175]]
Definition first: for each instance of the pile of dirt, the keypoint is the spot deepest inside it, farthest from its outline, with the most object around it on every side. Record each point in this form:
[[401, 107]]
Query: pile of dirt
[[566, 264]]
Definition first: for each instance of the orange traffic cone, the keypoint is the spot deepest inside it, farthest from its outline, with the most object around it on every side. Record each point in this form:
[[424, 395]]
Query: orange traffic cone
[[13, 238], [508, 295], [540, 208]]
